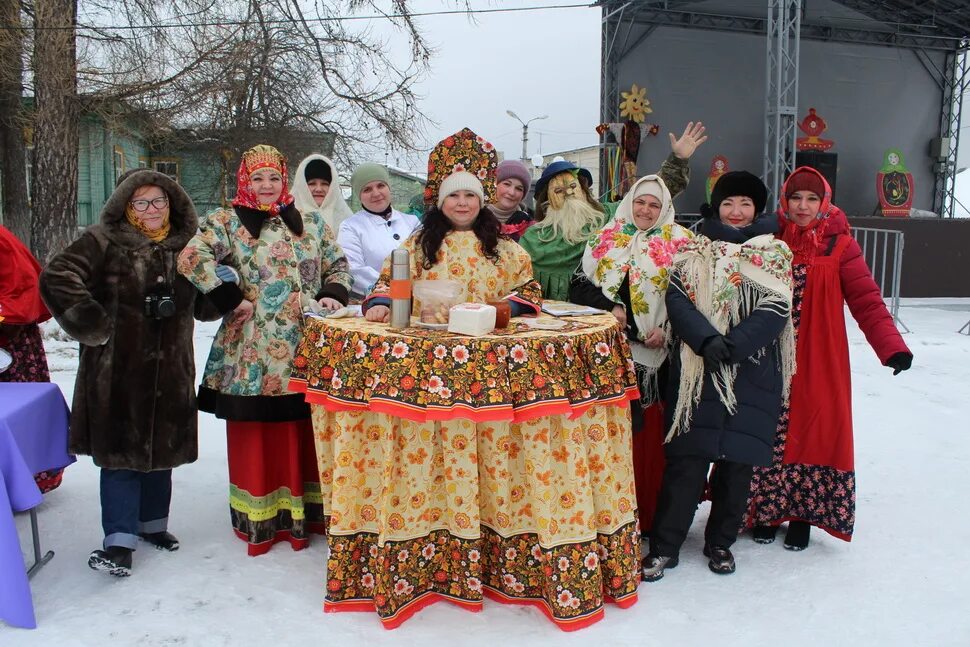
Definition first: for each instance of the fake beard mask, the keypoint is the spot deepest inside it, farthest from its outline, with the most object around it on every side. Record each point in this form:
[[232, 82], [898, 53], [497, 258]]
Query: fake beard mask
[[568, 215]]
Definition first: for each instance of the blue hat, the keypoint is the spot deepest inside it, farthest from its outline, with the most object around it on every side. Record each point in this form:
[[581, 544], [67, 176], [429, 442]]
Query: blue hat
[[555, 169]]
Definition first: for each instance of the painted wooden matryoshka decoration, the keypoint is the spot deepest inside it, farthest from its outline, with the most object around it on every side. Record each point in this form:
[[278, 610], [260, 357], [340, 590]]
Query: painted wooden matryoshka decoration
[[813, 125], [719, 166], [894, 185]]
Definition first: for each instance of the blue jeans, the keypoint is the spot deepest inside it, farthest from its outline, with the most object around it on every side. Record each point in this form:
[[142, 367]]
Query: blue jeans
[[132, 503]]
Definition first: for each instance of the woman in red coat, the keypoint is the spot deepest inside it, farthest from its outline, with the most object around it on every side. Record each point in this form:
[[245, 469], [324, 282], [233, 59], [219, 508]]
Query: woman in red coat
[[811, 481]]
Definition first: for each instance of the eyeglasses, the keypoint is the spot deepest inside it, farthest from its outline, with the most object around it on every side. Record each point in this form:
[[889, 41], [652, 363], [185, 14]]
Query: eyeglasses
[[142, 205]]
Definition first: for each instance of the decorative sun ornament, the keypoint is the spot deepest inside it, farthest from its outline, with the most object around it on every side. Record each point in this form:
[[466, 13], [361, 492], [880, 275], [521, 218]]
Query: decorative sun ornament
[[635, 104]]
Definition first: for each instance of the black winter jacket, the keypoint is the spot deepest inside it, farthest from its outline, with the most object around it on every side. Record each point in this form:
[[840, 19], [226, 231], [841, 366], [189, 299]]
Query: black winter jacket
[[748, 435]]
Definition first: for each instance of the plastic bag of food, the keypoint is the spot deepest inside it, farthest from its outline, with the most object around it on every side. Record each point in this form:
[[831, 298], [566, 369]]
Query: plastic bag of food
[[433, 299]]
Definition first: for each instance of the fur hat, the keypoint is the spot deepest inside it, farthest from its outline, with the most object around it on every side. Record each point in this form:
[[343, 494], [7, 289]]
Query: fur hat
[[516, 170], [739, 183], [367, 173], [804, 180], [460, 181]]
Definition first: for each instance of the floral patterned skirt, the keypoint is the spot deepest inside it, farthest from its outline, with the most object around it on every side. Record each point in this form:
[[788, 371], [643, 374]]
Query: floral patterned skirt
[[274, 489], [29, 358], [539, 513], [822, 495]]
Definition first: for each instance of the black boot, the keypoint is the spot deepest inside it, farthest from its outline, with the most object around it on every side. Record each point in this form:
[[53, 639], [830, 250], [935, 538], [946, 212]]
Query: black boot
[[764, 534], [722, 560], [161, 540], [115, 560], [797, 536], [654, 566]]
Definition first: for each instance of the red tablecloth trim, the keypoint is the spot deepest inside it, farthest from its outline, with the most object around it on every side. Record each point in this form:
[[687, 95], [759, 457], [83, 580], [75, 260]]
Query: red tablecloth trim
[[431, 597], [572, 624], [405, 612], [488, 413]]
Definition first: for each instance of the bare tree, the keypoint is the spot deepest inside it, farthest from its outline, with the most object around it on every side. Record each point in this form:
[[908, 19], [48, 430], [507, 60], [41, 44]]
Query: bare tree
[[13, 147], [247, 65], [228, 68], [54, 177]]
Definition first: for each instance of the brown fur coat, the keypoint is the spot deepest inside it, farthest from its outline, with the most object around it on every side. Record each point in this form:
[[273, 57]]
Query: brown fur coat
[[134, 399]]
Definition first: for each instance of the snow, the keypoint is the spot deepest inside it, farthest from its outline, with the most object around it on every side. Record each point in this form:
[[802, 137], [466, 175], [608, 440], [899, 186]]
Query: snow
[[901, 580]]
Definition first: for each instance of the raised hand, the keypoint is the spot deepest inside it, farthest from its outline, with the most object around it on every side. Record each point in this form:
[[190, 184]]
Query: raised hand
[[692, 137]]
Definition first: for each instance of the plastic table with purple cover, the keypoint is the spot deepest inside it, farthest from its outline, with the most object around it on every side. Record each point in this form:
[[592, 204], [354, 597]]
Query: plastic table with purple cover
[[33, 438]]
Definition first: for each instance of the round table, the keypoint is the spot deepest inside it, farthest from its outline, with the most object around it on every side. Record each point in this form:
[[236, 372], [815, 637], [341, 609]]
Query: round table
[[456, 467]]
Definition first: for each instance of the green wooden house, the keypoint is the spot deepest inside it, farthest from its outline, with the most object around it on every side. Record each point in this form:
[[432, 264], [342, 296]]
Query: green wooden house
[[203, 162]]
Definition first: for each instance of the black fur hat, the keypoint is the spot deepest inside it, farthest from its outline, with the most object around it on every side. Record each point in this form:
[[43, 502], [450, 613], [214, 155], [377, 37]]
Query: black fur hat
[[737, 183]]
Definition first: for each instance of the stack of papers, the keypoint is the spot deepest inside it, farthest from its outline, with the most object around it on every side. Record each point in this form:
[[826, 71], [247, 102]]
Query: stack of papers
[[564, 309]]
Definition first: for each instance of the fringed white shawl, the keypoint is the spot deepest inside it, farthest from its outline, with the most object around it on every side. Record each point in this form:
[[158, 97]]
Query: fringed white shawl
[[727, 282]]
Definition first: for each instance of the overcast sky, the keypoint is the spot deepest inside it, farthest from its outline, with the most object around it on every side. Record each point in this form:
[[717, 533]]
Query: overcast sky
[[544, 62]]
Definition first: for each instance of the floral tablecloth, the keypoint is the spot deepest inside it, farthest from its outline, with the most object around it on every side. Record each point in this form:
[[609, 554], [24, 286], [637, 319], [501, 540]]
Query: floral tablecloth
[[421, 374], [455, 468]]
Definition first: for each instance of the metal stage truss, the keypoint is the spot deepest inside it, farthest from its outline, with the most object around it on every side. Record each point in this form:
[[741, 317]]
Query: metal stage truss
[[931, 25]]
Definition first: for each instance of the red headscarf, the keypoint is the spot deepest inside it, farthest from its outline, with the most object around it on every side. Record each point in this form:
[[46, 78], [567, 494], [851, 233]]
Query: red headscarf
[[20, 301], [259, 157], [805, 241]]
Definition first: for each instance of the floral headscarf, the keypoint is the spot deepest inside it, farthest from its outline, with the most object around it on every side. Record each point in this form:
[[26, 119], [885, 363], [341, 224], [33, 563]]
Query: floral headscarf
[[256, 158], [463, 151], [621, 248]]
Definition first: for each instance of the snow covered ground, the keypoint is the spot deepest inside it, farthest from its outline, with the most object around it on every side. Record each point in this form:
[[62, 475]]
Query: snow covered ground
[[902, 581]]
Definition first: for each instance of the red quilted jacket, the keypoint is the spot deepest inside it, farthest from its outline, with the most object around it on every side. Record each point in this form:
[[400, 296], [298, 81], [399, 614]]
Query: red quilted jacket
[[859, 289]]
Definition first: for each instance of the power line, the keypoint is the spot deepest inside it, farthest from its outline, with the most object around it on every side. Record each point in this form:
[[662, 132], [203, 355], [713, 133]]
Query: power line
[[289, 21]]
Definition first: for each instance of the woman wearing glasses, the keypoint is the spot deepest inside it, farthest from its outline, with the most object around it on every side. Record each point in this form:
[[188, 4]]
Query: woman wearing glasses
[[116, 290]]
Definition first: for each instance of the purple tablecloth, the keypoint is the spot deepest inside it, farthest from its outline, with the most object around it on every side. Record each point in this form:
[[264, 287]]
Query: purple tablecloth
[[33, 438]]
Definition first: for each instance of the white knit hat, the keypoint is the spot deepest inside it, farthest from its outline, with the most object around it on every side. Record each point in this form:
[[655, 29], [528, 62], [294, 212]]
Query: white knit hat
[[460, 181]]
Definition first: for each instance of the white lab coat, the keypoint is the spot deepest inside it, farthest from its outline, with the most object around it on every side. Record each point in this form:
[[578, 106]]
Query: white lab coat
[[368, 239]]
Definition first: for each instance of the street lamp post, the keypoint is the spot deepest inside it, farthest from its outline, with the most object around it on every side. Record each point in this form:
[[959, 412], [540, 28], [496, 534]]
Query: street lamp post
[[525, 130]]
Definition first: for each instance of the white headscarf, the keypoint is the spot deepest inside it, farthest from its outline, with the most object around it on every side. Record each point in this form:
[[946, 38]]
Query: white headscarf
[[334, 208], [646, 255]]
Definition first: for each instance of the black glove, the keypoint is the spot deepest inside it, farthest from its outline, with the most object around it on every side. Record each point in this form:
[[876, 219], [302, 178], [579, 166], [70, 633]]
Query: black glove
[[900, 362], [716, 351]]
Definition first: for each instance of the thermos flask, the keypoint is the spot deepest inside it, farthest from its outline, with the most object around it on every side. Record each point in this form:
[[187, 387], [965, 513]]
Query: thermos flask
[[400, 289]]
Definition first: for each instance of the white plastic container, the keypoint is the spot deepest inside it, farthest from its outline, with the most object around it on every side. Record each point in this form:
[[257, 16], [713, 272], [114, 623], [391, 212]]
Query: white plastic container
[[475, 319]]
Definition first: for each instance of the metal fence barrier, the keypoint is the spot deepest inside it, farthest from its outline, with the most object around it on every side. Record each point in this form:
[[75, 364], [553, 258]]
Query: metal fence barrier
[[881, 248], [883, 251]]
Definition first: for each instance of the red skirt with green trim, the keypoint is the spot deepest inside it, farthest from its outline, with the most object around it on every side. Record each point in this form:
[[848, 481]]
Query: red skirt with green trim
[[274, 483]]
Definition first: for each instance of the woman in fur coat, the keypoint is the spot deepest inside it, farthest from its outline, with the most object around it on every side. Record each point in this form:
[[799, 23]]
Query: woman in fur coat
[[116, 290]]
